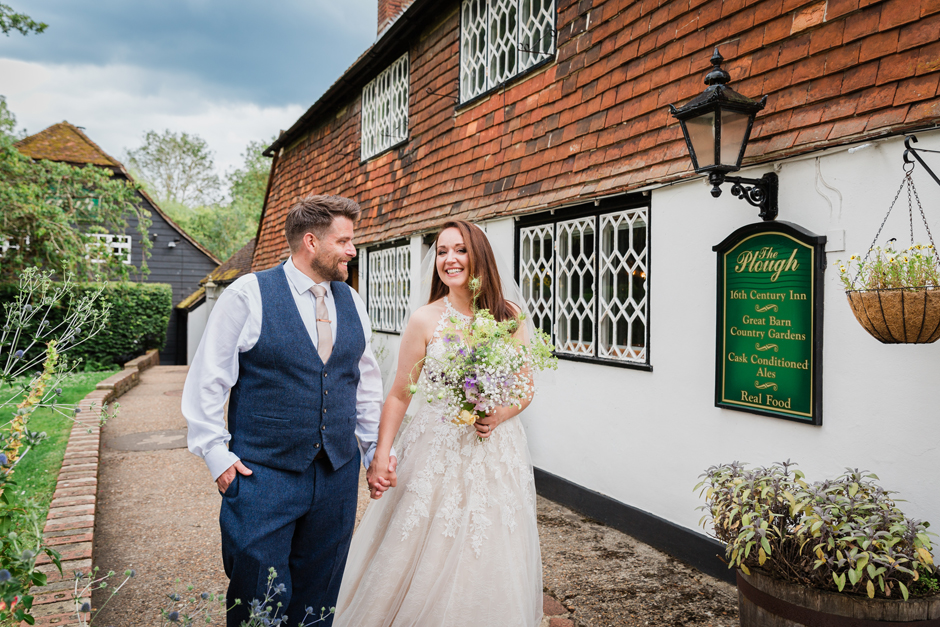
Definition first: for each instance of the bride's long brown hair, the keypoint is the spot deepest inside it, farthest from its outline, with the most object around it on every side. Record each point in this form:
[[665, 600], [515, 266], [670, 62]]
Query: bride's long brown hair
[[482, 265]]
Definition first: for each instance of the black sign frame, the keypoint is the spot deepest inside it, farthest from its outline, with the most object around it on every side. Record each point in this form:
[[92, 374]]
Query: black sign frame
[[817, 245]]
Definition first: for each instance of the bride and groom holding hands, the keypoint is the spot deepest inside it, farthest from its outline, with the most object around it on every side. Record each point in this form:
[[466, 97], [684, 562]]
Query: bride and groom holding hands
[[451, 536]]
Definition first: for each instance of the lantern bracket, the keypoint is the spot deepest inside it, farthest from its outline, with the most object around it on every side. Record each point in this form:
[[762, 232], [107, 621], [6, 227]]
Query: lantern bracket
[[760, 193]]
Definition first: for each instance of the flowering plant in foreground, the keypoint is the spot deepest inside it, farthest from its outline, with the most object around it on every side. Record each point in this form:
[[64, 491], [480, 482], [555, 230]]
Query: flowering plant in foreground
[[189, 608], [33, 368], [484, 365], [887, 268]]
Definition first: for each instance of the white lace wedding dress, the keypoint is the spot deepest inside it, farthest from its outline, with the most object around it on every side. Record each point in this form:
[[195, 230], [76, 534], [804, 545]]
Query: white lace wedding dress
[[456, 543]]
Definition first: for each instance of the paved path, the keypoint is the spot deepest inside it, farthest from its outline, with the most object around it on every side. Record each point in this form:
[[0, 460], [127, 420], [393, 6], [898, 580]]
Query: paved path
[[158, 514]]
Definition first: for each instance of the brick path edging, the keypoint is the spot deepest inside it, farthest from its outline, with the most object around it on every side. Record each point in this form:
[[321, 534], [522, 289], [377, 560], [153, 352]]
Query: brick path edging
[[70, 524]]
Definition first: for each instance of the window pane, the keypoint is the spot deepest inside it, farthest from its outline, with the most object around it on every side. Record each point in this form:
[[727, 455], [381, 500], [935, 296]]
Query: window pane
[[535, 273], [385, 109], [536, 31], [106, 244], [623, 270], [574, 300], [472, 48], [702, 136], [733, 129], [501, 38], [389, 287]]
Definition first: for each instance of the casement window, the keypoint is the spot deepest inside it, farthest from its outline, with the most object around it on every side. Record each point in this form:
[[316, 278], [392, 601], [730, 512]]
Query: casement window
[[385, 109], [119, 245], [500, 39], [389, 287], [585, 280]]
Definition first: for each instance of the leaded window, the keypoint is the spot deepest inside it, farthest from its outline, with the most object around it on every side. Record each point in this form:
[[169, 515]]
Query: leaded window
[[500, 39], [385, 109], [584, 280], [389, 287]]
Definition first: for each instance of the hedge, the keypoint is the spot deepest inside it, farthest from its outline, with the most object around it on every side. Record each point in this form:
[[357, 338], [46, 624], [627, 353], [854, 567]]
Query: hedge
[[140, 313]]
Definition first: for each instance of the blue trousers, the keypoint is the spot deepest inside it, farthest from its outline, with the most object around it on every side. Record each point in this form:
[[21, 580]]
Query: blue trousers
[[298, 523]]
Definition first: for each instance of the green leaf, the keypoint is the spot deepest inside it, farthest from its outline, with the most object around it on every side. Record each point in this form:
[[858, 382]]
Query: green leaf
[[904, 592], [766, 545]]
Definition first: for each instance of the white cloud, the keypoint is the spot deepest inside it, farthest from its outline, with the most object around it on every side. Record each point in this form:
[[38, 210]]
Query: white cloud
[[116, 104]]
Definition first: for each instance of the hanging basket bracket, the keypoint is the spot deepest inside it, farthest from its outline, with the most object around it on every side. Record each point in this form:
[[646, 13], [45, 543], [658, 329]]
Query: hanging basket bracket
[[911, 151]]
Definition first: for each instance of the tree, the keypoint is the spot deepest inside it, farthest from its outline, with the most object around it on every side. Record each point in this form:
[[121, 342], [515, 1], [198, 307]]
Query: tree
[[249, 184], [51, 211], [10, 20], [224, 228], [177, 167]]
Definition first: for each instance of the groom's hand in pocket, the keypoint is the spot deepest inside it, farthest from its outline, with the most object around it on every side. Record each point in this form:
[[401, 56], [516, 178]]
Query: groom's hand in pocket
[[226, 478]]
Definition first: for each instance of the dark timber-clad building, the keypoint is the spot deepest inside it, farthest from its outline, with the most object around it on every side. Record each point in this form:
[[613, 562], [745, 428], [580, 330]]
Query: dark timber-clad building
[[175, 258]]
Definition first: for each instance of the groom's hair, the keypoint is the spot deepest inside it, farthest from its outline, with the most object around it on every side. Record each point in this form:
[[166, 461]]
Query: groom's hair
[[314, 214]]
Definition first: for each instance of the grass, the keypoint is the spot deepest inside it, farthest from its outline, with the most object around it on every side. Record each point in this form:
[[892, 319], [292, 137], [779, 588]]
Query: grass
[[36, 475]]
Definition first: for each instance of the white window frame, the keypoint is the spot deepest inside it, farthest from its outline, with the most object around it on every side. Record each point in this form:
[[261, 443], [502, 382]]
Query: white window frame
[[388, 288], [121, 246], [385, 109], [585, 279], [501, 39]]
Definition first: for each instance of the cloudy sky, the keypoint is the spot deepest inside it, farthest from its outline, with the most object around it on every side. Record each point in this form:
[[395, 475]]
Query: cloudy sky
[[230, 71]]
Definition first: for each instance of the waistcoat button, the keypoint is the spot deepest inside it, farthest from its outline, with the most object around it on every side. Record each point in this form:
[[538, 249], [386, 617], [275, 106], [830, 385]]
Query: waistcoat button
[[326, 391], [323, 428], [324, 411], [317, 445]]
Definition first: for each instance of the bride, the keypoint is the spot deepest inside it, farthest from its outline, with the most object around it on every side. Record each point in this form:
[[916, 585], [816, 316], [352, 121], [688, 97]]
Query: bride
[[456, 542]]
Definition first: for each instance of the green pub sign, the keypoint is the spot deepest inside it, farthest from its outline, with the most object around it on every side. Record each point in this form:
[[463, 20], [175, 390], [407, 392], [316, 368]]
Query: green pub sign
[[770, 305]]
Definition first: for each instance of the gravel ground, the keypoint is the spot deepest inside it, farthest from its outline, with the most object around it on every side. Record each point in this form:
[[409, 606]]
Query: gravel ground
[[158, 514]]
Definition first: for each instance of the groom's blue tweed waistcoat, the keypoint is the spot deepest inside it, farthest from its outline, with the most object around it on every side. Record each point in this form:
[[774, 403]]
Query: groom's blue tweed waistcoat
[[287, 405]]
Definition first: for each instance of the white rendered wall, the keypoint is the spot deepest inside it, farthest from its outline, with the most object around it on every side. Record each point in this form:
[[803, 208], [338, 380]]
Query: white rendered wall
[[643, 438], [195, 326]]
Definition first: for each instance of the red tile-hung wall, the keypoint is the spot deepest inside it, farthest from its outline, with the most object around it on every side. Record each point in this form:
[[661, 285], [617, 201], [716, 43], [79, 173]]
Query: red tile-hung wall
[[595, 122]]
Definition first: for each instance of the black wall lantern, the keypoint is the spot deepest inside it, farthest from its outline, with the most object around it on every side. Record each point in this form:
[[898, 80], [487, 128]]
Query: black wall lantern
[[716, 125]]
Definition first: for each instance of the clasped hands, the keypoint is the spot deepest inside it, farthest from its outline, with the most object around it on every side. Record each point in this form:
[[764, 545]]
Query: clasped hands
[[381, 475]]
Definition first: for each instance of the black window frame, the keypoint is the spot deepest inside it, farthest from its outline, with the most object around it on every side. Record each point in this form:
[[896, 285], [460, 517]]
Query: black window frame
[[596, 208], [549, 59]]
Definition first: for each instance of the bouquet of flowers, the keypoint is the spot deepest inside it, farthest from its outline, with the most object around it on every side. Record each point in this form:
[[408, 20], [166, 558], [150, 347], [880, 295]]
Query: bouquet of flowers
[[484, 366]]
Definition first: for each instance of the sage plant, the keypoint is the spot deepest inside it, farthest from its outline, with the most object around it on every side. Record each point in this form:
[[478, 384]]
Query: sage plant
[[845, 534]]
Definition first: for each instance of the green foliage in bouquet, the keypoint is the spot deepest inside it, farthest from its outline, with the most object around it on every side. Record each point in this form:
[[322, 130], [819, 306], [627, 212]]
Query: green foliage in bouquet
[[845, 534], [485, 364], [887, 268]]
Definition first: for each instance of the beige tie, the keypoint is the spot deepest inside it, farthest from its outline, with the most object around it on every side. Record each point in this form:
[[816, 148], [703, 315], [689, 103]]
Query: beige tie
[[324, 332]]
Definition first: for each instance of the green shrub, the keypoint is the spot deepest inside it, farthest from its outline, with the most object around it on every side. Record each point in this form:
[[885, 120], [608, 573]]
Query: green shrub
[[140, 313]]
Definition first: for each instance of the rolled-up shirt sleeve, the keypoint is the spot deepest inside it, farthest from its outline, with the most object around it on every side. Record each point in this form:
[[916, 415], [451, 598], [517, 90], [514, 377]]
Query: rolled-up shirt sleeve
[[212, 374], [369, 392]]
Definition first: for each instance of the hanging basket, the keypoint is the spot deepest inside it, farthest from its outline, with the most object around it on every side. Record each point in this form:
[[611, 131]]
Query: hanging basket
[[892, 310], [898, 316]]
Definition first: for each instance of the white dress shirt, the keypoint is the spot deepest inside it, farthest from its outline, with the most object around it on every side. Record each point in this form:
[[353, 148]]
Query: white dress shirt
[[234, 327]]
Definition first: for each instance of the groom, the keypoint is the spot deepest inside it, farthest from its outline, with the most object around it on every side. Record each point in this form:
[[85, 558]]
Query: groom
[[289, 347]]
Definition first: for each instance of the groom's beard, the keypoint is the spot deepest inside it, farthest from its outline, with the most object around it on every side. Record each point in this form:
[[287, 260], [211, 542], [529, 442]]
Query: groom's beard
[[330, 269]]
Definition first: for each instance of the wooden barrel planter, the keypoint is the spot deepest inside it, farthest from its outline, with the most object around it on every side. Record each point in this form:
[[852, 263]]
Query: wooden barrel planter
[[767, 602], [898, 316]]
